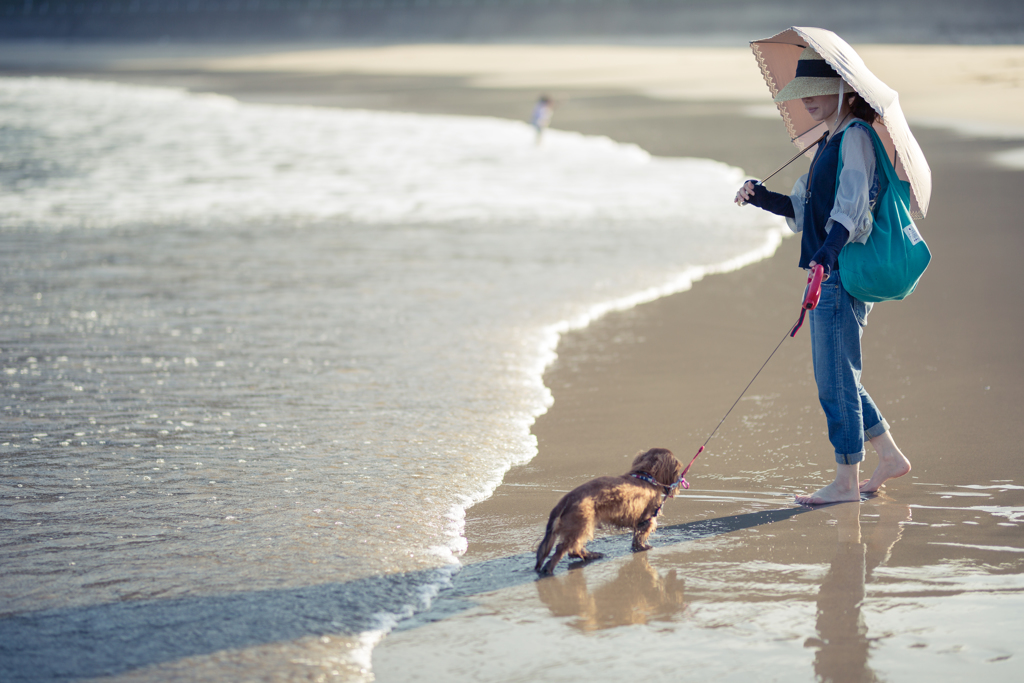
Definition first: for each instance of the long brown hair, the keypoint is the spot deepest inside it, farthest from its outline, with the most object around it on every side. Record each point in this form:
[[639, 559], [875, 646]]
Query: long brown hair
[[860, 108]]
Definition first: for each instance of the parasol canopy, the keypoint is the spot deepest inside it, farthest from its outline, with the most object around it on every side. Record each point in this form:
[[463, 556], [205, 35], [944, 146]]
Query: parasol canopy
[[777, 56]]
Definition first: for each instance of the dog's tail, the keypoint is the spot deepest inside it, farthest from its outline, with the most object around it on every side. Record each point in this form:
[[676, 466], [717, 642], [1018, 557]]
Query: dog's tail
[[544, 549]]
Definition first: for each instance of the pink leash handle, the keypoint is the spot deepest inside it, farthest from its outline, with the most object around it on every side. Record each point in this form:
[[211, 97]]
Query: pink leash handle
[[812, 294]]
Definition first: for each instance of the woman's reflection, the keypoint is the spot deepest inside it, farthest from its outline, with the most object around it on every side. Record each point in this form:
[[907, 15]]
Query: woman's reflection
[[842, 641], [637, 595]]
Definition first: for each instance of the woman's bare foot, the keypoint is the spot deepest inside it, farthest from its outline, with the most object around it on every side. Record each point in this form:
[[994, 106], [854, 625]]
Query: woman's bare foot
[[843, 490], [891, 463], [830, 494]]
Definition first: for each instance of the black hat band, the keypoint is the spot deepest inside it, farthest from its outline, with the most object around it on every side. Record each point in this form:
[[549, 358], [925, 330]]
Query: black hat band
[[815, 68]]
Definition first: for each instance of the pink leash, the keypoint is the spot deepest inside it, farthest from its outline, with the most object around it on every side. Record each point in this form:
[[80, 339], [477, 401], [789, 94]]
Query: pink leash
[[812, 294]]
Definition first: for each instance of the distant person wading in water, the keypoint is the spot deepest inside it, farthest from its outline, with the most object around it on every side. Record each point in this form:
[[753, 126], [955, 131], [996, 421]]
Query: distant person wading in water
[[542, 113], [830, 214]]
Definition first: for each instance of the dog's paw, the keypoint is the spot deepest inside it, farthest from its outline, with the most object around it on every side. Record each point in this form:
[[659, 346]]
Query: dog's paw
[[641, 548]]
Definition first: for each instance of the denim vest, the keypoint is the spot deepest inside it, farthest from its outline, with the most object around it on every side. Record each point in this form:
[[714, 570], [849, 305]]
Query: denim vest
[[820, 198]]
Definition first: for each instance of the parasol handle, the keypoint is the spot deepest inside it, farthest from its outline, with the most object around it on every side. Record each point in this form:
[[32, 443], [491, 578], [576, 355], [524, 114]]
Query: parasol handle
[[798, 155]]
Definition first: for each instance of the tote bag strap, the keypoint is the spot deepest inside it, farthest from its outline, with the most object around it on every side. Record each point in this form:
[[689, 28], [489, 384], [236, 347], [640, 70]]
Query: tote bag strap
[[886, 173]]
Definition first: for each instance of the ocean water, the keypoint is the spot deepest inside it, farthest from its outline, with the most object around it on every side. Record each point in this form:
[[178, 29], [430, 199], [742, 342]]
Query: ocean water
[[256, 361]]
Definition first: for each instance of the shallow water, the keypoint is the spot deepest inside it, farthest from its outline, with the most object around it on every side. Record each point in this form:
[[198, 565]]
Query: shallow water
[[241, 343]]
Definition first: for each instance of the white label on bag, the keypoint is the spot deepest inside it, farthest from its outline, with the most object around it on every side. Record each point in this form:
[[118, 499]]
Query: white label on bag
[[912, 234]]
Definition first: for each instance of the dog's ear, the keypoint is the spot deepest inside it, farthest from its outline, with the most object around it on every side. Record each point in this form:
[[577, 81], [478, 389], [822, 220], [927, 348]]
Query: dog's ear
[[660, 464], [663, 469], [676, 468], [670, 467]]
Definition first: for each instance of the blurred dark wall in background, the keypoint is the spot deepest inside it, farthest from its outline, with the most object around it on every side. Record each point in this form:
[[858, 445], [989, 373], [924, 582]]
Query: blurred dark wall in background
[[374, 21]]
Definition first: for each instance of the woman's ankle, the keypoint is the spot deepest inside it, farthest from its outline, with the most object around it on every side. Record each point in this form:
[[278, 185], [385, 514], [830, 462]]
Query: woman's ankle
[[848, 477]]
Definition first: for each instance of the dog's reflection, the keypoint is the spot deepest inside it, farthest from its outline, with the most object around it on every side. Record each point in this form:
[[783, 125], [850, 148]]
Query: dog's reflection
[[842, 642], [637, 595]]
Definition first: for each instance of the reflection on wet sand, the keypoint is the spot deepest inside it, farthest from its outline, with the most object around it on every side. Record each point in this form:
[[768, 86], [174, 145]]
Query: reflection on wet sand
[[640, 594], [842, 594], [637, 595], [843, 643]]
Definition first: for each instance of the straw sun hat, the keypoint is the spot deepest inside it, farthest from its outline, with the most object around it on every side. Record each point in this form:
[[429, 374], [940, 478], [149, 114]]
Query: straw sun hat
[[814, 76]]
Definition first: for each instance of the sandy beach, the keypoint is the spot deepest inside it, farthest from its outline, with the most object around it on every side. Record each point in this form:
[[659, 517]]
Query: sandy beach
[[921, 581]]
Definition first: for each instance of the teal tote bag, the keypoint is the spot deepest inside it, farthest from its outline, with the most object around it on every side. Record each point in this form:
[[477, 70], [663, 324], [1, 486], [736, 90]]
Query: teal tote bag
[[888, 266]]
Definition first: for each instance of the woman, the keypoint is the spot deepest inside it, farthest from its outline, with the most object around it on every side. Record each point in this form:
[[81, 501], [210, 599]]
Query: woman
[[829, 214]]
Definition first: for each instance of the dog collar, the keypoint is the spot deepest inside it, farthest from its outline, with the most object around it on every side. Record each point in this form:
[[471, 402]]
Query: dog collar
[[644, 476]]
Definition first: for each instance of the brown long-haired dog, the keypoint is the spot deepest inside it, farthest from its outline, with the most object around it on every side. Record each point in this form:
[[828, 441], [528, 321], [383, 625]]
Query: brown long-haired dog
[[630, 501]]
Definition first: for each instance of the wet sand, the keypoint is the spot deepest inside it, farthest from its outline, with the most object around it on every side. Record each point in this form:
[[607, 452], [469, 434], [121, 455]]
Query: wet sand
[[923, 580], [883, 589]]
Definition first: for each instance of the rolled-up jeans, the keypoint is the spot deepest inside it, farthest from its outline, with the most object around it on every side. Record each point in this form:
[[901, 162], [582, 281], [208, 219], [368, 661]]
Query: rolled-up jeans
[[836, 328]]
